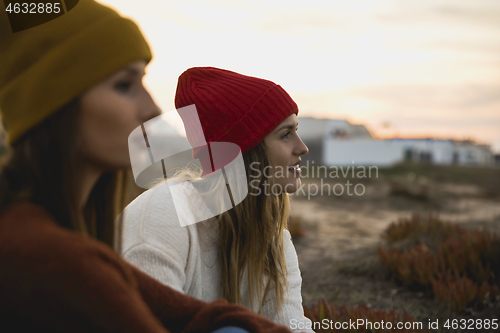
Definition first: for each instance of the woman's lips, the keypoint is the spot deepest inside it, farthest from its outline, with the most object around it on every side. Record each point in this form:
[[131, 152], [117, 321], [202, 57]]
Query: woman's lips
[[295, 169]]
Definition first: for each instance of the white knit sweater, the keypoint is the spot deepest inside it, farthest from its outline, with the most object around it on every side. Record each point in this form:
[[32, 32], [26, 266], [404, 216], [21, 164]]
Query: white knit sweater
[[185, 258]]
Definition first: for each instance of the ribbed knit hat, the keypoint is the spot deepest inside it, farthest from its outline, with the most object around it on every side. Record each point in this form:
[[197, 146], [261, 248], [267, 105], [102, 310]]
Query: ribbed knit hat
[[45, 67], [232, 108]]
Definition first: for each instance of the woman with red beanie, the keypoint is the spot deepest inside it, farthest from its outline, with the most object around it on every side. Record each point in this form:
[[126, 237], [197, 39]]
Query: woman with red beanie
[[245, 253], [70, 94]]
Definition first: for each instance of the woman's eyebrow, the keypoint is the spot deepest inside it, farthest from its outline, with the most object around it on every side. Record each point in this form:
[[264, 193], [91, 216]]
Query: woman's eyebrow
[[287, 127], [133, 71]]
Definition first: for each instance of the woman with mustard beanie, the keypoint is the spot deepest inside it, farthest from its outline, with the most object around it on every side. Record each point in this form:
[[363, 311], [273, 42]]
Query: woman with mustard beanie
[[244, 252], [70, 94]]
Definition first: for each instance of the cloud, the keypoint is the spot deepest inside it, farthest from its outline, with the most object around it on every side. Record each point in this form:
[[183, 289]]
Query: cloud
[[430, 123], [461, 98], [293, 22], [483, 16]]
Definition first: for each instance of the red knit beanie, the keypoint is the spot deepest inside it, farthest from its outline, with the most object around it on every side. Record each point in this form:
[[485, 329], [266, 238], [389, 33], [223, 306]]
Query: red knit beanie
[[231, 108]]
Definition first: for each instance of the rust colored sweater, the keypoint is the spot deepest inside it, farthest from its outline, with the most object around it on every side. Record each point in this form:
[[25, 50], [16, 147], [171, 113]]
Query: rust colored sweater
[[54, 280]]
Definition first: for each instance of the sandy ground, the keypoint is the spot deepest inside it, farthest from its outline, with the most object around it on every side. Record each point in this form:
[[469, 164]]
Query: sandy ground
[[346, 229]]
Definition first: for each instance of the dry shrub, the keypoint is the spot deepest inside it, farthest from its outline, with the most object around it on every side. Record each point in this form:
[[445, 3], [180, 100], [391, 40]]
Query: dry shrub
[[348, 314], [458, 266], [412, 189], [295, 227], [459, 291], [417, 225]]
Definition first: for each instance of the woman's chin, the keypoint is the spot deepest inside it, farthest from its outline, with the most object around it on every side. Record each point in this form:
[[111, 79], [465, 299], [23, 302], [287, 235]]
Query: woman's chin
[[293, 186]]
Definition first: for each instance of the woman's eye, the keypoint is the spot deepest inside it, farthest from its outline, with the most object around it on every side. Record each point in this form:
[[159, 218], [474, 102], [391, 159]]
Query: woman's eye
[[123, 86], [286, 135]]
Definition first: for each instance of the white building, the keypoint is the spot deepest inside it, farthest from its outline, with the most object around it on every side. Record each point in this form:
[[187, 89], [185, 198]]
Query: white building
[[361, 152], [337, 142], [316, 132]]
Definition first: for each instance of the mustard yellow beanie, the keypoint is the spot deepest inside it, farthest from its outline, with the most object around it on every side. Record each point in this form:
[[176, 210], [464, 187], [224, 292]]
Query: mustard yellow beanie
[[45, 67]]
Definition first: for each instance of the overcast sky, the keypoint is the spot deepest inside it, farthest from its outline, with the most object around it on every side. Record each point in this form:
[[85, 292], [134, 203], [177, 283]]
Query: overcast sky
[[407, 68]]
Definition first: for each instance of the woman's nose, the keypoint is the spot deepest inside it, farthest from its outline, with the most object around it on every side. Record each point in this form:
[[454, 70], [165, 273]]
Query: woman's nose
[[301, 148], [149, 109]]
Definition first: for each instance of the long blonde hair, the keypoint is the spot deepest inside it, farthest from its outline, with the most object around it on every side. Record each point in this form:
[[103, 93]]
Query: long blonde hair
[[250, 236]]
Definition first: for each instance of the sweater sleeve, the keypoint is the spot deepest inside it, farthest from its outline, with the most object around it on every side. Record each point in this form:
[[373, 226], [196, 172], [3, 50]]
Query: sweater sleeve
[[168, 268], [293, 312], [61, 282], [154, 241], [182, 313], [54, 280]]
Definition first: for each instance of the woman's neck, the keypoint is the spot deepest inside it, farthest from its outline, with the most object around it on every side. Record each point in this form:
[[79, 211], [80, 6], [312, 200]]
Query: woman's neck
[[90, 176]]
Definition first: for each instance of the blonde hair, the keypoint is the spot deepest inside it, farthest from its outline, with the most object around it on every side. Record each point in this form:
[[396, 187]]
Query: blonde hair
[[250, 236]]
